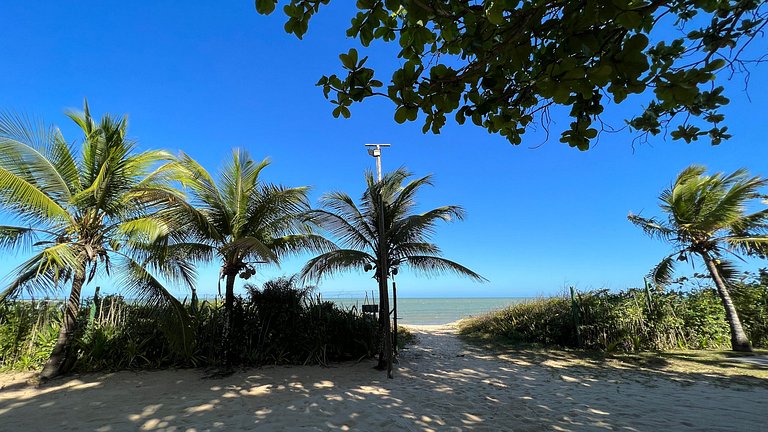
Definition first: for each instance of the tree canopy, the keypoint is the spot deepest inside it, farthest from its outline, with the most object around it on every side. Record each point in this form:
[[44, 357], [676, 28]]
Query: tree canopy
[[407, 235], [504, 64], [707, 214]]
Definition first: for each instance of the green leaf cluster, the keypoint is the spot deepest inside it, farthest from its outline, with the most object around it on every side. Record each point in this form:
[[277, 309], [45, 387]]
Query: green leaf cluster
[[504, 63]]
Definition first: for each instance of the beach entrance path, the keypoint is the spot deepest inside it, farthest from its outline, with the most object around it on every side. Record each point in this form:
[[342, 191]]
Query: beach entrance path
[[441, 384]]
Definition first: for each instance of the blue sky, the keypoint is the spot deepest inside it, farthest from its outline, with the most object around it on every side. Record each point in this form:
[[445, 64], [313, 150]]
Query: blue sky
[[205, 78]]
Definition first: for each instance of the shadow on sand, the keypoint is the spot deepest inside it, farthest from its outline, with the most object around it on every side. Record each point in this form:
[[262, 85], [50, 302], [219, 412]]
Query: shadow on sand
[[441, 383]]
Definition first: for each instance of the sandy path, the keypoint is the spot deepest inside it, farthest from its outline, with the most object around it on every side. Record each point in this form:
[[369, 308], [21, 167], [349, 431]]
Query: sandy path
[[440, 384]]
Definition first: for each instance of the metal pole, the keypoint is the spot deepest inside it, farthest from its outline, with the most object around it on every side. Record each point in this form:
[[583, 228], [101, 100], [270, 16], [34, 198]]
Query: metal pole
[[375, 151], [394, 313]]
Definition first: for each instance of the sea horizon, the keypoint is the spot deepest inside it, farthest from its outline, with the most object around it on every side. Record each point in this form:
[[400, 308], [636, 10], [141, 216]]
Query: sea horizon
[[411, 310], [435, 310]]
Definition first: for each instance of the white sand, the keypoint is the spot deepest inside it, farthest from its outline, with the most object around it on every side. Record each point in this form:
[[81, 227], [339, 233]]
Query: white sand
[[440, 384]]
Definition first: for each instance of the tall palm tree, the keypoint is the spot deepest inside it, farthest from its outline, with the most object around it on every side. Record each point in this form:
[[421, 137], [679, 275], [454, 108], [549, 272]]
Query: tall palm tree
[[403, 239], [238, 219], [706, 218], [83, 213]]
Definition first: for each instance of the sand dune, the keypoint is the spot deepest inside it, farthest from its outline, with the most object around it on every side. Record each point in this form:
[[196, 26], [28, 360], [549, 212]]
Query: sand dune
[[440, 384]]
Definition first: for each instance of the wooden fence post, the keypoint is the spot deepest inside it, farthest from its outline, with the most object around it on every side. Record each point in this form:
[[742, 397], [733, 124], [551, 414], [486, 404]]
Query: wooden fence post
[[575, 312]]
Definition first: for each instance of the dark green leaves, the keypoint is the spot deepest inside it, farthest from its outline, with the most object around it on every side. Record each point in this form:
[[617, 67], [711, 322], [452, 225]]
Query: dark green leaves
[[512, 60], [265, 7]]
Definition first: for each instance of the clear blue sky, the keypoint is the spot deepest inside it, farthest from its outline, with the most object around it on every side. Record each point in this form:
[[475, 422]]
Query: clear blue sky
[[205, 77]]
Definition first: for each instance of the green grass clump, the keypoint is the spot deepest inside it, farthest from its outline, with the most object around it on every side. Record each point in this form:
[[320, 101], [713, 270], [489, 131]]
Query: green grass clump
[[28, 331], [404, 337]]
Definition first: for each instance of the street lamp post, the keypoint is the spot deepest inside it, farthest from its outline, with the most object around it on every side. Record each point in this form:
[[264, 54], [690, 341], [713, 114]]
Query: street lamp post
[[375, 151]]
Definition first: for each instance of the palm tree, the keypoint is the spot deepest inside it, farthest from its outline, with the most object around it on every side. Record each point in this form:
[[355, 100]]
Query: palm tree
[[403, 241], [239, 219], [82, 213], [706, 218]]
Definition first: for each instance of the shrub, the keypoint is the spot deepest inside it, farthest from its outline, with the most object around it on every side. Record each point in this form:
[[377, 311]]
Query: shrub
[[275, 324], [630, 320]]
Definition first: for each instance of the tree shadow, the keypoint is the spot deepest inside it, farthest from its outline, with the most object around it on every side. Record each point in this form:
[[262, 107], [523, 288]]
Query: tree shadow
[[441, 383]]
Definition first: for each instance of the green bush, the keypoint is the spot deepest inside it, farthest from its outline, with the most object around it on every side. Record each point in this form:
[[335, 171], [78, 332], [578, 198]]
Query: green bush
[[276, 324], [751, 300], [630, 320]]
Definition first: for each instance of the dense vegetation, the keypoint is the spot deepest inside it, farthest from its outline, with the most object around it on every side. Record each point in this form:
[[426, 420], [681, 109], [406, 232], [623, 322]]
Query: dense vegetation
[[277, 323], [631, 320]]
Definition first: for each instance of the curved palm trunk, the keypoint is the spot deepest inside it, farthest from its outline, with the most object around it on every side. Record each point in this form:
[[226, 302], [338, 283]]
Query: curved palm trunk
[[739, 340], [59, 362]]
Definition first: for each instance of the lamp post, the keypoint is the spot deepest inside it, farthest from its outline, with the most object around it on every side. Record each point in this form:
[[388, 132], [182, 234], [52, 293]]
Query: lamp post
[[375, 151], [382, 267]]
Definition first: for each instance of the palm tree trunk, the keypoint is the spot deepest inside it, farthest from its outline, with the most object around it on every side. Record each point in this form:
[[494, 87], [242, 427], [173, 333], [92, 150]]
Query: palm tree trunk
[[739, 340], [385, 333], [58, 362], [229, 304], [385, 330]]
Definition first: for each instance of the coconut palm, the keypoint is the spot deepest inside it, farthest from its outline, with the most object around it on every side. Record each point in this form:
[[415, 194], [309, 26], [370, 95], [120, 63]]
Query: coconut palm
[[706, 219], [83, 213], [403, 241], [240, 220]]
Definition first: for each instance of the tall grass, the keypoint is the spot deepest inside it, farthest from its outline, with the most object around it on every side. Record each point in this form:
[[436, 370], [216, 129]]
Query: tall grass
[[275, 324], [28, 331], [630, 320]]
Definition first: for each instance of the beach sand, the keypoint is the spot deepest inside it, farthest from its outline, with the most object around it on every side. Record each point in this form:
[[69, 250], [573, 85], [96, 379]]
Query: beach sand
[[440, 384]]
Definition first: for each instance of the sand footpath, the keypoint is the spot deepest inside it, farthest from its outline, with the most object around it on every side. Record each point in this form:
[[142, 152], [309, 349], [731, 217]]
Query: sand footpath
[[440, 384]]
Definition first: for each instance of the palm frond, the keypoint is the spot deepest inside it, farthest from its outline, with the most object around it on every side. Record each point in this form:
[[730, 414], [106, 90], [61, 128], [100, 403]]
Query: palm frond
[[182, 216], [34, 277], [404, 199], [754, 222], [422, 226], [653, 227], [431, 265], [237, 182], [27, 200], [297, 243], [729, 196], [662, 273], [274, 210], [401, 250], [334, 262], [205, 194], [12, 237], [348, 233], [252, 248], [404, 237], [60, 258], [62, 156], [25, 150], [727, 270], [750, 245], [146, 288]]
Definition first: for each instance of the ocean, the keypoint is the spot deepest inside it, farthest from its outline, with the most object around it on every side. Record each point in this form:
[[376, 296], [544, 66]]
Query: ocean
[[436, 310]]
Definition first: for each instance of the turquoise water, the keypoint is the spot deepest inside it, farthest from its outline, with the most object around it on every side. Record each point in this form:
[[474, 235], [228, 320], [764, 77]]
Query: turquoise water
[[437, 310]]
